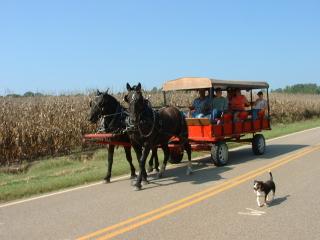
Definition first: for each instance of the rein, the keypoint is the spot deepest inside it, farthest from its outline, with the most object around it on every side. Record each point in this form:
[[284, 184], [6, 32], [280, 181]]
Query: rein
[[115, 117]]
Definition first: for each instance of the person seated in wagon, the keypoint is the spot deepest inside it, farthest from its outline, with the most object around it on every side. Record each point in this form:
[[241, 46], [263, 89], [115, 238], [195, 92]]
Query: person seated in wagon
[[219, 104], [201, 105], [260, 105], [238, 104]]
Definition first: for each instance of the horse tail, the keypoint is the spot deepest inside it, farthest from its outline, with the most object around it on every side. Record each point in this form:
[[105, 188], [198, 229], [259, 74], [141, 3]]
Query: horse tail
[[183, 129]]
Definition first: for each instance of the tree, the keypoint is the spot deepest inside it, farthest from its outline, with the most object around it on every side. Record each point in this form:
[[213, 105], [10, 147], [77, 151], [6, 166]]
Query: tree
[[28, 94], [154, 89], [307, 88], [13, 95]]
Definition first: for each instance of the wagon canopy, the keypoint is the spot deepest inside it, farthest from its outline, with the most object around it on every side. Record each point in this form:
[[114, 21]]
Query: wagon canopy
[[192, 83]]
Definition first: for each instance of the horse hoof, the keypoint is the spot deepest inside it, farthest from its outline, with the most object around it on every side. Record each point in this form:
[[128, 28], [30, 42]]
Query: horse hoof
[[137, 188], [107, 180], [133, 176], [133, 182], [157, 170], [189, 171], [145, 182], [150, 170], [159, 175]]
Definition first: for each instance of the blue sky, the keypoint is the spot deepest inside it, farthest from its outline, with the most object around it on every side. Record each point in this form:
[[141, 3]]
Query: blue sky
[[60, 46]]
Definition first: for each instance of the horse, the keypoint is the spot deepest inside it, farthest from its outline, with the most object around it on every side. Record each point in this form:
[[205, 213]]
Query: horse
[[150, 128], [113, 115]]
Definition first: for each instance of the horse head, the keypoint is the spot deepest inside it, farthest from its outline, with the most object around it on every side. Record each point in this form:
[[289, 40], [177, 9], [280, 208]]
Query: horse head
[[102, 104], [135, 102]]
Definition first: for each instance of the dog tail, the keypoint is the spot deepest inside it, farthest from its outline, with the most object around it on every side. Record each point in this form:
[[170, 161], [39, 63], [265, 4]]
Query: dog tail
[[271, 177]]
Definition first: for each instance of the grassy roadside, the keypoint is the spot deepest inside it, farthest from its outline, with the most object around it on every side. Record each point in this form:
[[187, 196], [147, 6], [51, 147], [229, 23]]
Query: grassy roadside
[[62, 172]]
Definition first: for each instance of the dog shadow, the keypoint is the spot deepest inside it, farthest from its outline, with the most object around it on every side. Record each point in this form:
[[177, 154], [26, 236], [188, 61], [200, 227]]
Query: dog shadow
[[278, 200]]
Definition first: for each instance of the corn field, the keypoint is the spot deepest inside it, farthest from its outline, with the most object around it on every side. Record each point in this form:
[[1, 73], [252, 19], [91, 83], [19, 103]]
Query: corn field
[[32, 127]]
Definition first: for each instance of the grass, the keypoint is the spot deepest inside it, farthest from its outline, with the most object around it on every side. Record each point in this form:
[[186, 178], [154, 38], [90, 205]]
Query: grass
[[63, 172]]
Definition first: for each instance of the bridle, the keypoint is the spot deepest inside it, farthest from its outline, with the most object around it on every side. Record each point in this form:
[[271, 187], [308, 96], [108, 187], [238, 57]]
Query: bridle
[[137, 126]]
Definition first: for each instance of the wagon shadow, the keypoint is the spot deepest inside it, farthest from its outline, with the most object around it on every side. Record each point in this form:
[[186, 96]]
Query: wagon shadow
[[205, 171], [272, 151]]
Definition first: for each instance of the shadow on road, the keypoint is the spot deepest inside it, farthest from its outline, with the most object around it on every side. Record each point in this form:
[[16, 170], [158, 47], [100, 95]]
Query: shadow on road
[[272, 151], [204, 170], [278, 200], [201, 174]]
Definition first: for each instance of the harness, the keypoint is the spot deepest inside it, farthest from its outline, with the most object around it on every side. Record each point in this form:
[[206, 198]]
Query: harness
[[154, 116], [137, 127], [111, 127]]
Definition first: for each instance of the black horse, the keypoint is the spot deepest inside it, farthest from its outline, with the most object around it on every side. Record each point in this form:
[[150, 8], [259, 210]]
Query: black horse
[[150, 128], [106, 108]]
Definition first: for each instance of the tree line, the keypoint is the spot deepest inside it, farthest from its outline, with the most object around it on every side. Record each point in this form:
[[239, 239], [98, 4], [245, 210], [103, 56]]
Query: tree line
[[307, 88]]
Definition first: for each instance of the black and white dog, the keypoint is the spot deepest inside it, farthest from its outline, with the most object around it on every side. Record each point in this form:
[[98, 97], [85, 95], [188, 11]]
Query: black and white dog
[[262, 189]]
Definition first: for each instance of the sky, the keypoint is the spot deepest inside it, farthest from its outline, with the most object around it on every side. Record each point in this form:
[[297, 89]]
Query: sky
[[79, 45]]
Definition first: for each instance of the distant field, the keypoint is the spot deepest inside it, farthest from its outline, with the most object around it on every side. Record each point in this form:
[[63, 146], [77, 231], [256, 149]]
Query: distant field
[[33, 127]]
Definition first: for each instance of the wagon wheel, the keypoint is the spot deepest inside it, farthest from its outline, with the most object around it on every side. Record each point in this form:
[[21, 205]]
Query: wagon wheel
[[219, 153], [258, 144], [176, 155]]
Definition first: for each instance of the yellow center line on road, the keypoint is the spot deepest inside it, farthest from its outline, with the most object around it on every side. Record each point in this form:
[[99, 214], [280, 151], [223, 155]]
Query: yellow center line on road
[[192, 199]]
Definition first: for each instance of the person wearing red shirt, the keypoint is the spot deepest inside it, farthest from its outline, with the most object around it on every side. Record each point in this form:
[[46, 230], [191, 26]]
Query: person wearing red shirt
[[238, 103]]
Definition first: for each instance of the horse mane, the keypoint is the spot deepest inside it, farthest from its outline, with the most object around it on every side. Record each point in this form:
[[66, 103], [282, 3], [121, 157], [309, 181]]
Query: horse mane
[[112, 98], [117, 121]]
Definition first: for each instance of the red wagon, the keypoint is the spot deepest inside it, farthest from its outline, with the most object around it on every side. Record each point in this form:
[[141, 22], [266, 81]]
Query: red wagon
[[206, 134]]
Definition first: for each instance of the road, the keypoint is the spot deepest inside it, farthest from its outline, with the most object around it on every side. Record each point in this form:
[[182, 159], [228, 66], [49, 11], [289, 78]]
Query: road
[[212, 203]]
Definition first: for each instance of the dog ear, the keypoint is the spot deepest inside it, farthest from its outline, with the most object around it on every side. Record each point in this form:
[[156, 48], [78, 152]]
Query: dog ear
[[98, 92], [128, 87]]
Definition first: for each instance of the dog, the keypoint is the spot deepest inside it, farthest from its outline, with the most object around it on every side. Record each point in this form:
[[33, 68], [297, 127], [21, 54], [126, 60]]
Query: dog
[[262, 189]]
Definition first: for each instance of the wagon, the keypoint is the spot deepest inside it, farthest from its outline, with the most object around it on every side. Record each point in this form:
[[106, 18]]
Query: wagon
[[212, 136], [205, 134]]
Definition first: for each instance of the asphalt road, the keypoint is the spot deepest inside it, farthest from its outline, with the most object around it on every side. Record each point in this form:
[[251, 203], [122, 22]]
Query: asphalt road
[[212, 203]]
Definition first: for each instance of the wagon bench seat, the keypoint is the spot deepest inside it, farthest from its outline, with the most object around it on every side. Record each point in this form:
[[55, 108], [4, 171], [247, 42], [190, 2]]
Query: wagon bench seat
[[200, 129], [198, 121]]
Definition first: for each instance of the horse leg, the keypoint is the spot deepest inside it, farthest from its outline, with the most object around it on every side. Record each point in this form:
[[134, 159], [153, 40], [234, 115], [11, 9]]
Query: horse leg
[[110, 161], [129, 159], [154, 157], [142, 170], [150, 167], [156, 160], [187, 147], [166, 153], [138, 150]]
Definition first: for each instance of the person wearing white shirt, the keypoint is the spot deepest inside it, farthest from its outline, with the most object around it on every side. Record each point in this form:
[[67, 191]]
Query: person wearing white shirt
[[259, 105]]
